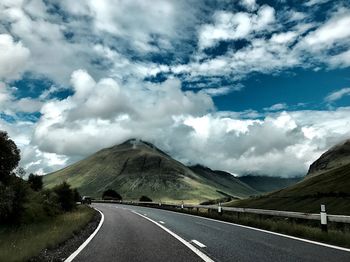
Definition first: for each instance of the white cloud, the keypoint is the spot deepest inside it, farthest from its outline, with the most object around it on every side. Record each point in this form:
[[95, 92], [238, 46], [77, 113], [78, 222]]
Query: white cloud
[[113, 110], [340, 60], [335, 30], [232, 26], [13, 57], [336, 95], [249, 4], [276, 107]]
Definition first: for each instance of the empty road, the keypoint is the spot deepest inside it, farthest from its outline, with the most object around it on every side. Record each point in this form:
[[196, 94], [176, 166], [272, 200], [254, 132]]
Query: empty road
[[127, 235]]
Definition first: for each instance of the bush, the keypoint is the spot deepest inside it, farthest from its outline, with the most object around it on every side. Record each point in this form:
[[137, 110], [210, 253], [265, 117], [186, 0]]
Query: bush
[[65, 196], [111, 194], [76, 195], [13, 197], [35, 182], [51, 203], [145, 199]]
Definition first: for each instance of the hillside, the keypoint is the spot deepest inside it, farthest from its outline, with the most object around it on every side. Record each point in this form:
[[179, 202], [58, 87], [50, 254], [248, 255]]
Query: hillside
[[265, 184], [330, 187], [135, 168], [335, 157], [223, 180]]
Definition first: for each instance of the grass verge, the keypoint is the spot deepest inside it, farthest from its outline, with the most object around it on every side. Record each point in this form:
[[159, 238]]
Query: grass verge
[[22, 243]]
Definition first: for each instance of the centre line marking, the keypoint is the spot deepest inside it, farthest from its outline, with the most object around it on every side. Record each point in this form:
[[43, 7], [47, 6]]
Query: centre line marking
[[198, 243]]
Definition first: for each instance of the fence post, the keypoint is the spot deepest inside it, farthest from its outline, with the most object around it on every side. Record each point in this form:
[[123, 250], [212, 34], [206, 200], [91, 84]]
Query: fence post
[[323, 215], [219, 209]]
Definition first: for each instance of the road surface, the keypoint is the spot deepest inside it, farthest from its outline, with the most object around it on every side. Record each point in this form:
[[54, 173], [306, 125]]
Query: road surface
[[127, 235]]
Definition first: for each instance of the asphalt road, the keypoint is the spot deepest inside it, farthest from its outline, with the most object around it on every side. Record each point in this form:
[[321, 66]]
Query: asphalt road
[[126, 236]]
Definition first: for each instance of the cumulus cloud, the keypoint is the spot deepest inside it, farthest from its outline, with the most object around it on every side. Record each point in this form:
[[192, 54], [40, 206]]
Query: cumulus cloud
[[13, 57], [232, 26], [115, 111]]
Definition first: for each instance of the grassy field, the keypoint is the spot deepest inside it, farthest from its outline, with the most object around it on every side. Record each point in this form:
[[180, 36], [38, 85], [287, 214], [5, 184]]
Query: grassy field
[[20, 244]]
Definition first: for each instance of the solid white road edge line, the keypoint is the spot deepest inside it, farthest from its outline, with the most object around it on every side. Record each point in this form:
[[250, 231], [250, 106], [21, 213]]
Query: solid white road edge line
[[87, 241], [265, 231], [183, 241], [198, 243]]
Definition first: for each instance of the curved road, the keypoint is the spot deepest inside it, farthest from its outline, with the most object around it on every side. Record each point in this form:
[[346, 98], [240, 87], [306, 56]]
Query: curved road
[[128, 236]]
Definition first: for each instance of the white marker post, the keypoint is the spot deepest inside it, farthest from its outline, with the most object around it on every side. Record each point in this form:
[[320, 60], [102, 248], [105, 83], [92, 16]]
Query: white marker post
[[323, 219], [219, 209], [182, 205]]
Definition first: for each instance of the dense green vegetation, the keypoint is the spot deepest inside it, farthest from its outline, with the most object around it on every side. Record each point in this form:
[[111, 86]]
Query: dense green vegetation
[[33, 218], [25, 202], [142, 169], [26, 241], [331, 188]]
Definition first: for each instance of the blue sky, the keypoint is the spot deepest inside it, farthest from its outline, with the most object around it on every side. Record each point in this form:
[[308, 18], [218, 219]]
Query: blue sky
[[245, 86]]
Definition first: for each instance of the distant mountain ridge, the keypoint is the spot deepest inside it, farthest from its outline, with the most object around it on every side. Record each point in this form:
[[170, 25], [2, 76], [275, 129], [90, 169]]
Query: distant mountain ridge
[[264, 184], [135, 168]]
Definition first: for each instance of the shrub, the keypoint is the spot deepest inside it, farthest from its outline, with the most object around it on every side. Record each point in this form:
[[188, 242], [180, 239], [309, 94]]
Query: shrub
[[13, 197], [65, 196], [35, 182], [111, 194], [145, 199], [76, 195]]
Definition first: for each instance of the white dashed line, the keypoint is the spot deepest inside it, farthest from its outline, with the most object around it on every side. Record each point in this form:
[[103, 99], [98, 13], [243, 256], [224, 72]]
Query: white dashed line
[[199, 253], [198, 243]]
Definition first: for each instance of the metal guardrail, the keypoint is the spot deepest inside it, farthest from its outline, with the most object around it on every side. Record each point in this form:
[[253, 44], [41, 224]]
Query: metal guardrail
[[286, 214]]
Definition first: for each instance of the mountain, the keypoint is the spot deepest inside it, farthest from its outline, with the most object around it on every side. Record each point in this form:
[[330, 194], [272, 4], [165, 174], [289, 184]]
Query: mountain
[[135, 168], [264, 184], [223, 181], [327, 184], [335, 157]]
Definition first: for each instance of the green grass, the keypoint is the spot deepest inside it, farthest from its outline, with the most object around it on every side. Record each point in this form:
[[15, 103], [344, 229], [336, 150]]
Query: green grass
[[22, 243]]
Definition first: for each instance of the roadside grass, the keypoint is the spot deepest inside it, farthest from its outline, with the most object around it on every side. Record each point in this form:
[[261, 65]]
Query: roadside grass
[[338, 234], [25, 242]]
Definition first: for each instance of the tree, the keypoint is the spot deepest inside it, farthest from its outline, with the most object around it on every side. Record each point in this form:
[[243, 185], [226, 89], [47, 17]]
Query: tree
[[76, 195], [9, 156], [35, 182], [145, 199], [65, 196], [111, 195]]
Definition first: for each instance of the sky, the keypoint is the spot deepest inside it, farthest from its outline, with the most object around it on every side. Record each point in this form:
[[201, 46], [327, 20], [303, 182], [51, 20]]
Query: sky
[[249, 87]]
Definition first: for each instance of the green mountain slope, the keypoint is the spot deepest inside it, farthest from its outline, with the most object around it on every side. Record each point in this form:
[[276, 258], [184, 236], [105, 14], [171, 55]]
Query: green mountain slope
[[337, 156], [264, 184], [331, 187], [223, 181], [137, 168]]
